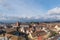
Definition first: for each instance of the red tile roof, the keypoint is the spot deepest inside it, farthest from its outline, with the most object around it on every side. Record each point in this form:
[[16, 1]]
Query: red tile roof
[[39, 38]]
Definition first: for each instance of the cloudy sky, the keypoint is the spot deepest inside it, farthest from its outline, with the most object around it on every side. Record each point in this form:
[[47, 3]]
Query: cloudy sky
[[30, 8]]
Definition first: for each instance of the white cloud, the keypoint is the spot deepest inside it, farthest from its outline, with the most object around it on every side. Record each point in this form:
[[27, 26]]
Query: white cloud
[[54, 11], [23, 9], [20, 7], [53, 14]]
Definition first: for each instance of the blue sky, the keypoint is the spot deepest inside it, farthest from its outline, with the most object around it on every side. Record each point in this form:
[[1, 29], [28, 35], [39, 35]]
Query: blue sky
[[28, 8]]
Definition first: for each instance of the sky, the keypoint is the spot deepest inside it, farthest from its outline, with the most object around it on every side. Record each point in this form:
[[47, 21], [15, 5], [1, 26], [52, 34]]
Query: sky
[[30, 8]]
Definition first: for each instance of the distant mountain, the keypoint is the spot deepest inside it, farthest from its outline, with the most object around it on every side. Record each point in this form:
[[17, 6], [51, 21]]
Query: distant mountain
[[27, 19]]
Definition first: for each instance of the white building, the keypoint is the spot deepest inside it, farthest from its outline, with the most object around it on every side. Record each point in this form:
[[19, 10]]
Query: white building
[[57, 28], [24, 25], [4, 38]]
